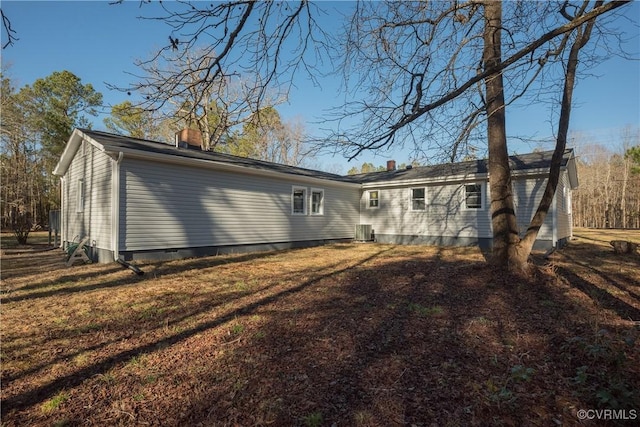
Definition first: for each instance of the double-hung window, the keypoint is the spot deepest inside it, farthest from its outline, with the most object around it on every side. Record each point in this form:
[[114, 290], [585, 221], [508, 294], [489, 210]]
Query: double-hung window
[[374, 198], [80, 196], [299, 201], [418, 198], [317, 201], [473, 196], [566, 199]]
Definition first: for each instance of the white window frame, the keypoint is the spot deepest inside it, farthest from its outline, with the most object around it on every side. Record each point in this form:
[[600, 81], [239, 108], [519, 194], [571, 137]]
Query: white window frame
[[305, 202], [321, 204], [566, 200], [80, 195], [412, 199], [369, 199], [483, 190]]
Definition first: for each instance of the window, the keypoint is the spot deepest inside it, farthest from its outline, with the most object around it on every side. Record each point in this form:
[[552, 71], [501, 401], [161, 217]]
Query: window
[[317, 201], [80, 196], [374, 198], [299, 201], [566, 199], [473, 196], [418, 199]]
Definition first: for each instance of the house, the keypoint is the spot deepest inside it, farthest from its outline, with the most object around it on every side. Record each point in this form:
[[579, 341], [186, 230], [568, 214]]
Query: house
[[138, 199], [448, 204]]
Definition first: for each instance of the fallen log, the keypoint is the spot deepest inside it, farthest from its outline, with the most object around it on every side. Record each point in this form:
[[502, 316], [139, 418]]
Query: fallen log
[[623, 246]]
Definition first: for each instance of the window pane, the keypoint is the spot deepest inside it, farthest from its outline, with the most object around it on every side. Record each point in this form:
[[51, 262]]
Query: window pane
[[80, 196], [298, 201], [473, 196], [418, 205], [418, 202], [316, 202], [418, 193], [373, 199]]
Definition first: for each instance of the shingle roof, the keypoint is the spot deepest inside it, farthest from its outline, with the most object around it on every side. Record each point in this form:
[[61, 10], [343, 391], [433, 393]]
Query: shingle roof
[[113, 142], [521, 162]]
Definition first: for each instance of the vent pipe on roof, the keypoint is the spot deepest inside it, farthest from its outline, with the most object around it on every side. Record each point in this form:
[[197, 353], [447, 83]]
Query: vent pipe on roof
[[391, 165], [189, 138]]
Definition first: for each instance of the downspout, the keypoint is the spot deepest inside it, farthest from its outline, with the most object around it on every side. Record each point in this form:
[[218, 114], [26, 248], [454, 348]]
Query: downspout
[[63, 206], [115, 206], [554, 223], [115, 216]]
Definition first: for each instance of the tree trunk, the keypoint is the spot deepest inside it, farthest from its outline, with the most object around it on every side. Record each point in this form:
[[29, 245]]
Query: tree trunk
[[623, 199], [506, 253], [526, 244]]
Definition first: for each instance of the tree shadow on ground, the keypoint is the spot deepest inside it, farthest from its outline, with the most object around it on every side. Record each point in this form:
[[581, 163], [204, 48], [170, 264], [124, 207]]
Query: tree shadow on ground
[[391, 337], [22, 400], [156, 269]]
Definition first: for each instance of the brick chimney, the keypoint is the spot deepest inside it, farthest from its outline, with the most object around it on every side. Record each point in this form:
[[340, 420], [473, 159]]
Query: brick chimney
[[189, 138], [391, 165]]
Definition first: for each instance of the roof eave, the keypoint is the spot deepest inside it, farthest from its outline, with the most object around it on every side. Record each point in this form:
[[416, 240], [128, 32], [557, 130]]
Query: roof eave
[[454, 178], [572, 170], [70, 150], [213, 164]]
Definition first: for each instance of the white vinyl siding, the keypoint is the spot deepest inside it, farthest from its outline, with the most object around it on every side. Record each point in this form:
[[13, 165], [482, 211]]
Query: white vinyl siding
[[527, 194], [88, 213], [443, 214], [166, 206], [563, 207]]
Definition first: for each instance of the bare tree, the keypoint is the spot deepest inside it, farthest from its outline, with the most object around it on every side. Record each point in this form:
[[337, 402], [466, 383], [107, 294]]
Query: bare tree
[[224, 62], [178, 88], [19, 167], [430, 59], [609, 192], [267, 137], [430, 71], [8, 31]]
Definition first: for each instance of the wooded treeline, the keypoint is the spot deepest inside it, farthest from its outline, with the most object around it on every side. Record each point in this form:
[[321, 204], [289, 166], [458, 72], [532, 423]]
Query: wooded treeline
[[38, 119], [609, 192], [35, 124]]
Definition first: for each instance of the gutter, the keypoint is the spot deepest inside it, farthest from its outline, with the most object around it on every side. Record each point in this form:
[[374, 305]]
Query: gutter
[[452, 179], [211, 164]]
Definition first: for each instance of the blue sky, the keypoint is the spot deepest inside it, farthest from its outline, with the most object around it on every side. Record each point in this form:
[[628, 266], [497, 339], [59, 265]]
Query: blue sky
[[99, 43]]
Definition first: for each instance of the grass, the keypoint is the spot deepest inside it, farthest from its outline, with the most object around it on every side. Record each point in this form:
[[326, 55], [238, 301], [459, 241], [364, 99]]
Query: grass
[[36, 238], [54, 403], [367, 335], [425, 311]]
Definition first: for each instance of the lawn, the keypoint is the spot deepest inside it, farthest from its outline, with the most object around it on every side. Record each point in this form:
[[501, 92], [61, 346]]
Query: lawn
[[345, 335]]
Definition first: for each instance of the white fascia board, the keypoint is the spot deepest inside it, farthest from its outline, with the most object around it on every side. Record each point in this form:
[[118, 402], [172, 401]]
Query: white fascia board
[[573, 172], [212, 164], [451, 179], [71, 149], [418, 181]]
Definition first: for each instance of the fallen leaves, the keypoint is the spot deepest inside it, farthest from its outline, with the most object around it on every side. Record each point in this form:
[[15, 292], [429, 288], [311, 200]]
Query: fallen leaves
[[371, 335]]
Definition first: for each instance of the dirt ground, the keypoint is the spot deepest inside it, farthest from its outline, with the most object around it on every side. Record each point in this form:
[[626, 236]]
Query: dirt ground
[[344, 335]]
